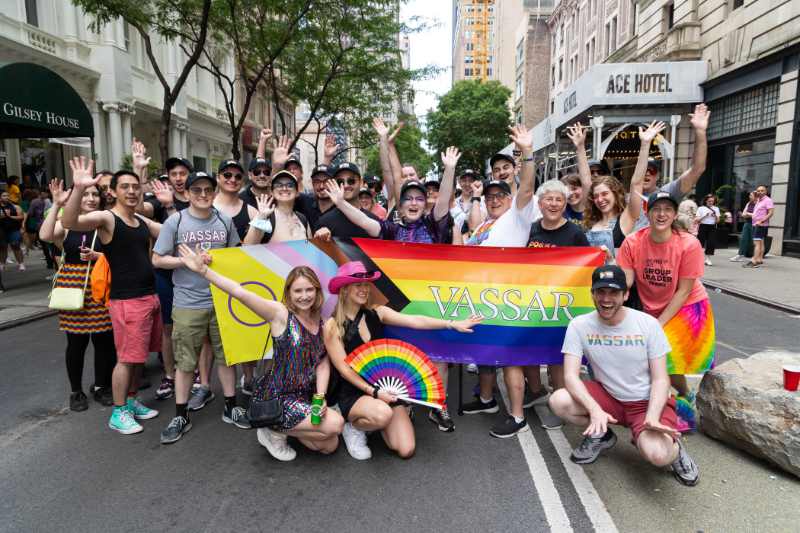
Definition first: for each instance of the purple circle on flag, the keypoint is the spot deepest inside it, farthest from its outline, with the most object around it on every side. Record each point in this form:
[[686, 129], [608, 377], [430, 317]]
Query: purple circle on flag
[[239, 320]]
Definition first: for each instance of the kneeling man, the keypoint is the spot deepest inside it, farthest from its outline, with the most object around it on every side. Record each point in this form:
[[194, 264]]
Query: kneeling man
[[627, 351]]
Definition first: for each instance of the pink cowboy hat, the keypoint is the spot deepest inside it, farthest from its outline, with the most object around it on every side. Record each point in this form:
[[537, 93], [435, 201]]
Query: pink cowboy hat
[[349, 273]]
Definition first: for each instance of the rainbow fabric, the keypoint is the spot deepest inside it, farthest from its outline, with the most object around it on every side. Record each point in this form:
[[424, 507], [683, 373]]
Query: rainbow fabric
[[263, 270], [526, 295], [692, 337], [384, 361]]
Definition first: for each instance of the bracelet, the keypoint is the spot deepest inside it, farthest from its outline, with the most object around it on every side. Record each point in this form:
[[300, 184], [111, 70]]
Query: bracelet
[[375, 389], [475, 199], [528, 159]]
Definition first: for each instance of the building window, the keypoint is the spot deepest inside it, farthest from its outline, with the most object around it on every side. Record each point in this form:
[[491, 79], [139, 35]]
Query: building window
[[519, 88], [552, 106], [553, 75], [587, 57], [592, 51], [613, 33], [608, 39], [669, 16], [520, 52], [31, 13], [561, 35], [518, 118], [633, 8], [470, 47], [467, 59], [126, 34], [737, 4], [467, 72], [746, 111], [560, 70]]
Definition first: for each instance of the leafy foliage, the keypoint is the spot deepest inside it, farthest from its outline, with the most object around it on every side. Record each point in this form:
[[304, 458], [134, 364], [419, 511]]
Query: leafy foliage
[[474, 117]]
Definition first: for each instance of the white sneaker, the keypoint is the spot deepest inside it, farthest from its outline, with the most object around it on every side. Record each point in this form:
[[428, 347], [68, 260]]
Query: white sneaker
[[708, 262], [736, 258], [356, 442], [276, 444], [22, 267]]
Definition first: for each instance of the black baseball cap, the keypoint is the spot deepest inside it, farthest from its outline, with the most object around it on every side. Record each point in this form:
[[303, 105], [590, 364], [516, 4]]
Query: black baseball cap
[[661, 195], [499, 156], [293, 159], [352, 167], [470, 173], [322, 169], [432, 182], [225, 163], [598, 163], [173, 162], [497, 183], [163, 177], [654, 163], [284, 174], [412, 184], [194, 177], [364, 191], [609, 277], [259, 162]]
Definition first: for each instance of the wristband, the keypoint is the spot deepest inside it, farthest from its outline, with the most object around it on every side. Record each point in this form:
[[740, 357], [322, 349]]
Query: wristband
[[261, 224], [475, 199], [375, 389], [528, 159]]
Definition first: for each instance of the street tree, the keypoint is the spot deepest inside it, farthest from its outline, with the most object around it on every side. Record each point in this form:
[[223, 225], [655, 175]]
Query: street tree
[[184, 21], [473, 116], [409, 143]]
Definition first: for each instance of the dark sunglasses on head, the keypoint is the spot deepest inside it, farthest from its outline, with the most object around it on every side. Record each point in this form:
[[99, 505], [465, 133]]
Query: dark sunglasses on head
[[229, 175], [363, 275], [350, 181], [261, 172]]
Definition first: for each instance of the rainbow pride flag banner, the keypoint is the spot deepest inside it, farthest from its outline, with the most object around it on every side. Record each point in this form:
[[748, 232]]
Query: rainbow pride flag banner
[[263, 270], [527, 296]]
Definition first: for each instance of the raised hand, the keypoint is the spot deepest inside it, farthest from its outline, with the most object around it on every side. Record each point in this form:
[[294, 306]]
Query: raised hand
[[82, 170], [280, 151], [652, 131], [60, 196], [397, 129], [466, 325], [380, 127], [522, 138], [162, 192], [699, 119], [577, 134], [477, 188], [331, 147], [450, 157], [266, 206], [335, 192], [139, 157], [192, 259], [265, 135]]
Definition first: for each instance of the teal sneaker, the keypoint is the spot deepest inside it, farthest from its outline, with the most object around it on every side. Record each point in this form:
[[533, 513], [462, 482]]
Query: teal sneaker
[[139, 410], [122, 421]]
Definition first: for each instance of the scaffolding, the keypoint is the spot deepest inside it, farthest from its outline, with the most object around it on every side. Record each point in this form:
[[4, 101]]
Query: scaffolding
[[479, 32]]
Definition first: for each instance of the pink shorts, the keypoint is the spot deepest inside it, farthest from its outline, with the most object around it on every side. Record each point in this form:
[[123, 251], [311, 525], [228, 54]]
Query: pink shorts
[[630, 414], [137, 327]]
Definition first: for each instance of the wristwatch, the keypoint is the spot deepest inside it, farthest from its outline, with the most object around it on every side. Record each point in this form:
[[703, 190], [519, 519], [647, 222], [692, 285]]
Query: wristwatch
[[375, 390]]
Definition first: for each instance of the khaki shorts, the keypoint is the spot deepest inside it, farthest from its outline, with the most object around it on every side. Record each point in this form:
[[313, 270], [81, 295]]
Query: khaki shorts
[[189, 328]]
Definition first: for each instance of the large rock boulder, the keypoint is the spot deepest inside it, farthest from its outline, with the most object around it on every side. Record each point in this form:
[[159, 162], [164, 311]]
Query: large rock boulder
[[743, 402]]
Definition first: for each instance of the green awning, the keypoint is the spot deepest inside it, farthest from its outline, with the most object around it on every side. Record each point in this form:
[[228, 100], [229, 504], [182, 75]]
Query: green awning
[[35, 102]]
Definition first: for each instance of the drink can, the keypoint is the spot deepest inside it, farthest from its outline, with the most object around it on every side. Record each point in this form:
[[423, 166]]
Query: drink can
[[316, 408]]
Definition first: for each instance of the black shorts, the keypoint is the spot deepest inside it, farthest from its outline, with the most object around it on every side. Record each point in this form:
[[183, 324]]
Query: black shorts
[[760, 233]]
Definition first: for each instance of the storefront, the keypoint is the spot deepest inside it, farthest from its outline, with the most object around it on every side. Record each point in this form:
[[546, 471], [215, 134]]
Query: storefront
[[43, 122], [614, 99]]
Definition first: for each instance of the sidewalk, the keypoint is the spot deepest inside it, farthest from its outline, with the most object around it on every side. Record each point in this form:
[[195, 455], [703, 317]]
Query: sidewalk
[[26, 294], [776, 284]]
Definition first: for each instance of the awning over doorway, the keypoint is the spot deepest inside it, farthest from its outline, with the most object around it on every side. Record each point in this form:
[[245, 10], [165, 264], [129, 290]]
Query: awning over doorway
[[35, 102]]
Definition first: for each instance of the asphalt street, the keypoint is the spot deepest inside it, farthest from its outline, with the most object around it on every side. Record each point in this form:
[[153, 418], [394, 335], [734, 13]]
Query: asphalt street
[[67, 471]]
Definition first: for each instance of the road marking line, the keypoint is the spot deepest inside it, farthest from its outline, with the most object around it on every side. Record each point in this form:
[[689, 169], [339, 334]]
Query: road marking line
[[729, 347], [596, 510], [554, 510]]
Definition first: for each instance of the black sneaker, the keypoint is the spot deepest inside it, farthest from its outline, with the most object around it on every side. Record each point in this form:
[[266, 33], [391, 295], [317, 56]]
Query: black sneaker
[[532, 397], [589, 449], [508, 428], [175, 430], [236, 416], [442, 418], [199, 397], [478, 406], [684, 468], [78, 401], [103, 396]]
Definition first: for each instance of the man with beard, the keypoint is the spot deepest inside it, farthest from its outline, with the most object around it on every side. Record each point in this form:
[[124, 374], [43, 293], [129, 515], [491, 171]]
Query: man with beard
[[334, 223], [104, 185], [627, 350], [259, 172]]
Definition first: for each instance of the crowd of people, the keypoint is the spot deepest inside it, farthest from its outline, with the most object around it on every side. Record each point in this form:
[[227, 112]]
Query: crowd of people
[[652, 323]]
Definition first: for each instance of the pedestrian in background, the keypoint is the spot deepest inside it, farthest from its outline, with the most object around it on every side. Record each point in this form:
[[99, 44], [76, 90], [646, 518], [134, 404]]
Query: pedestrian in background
[[746, 238], [11, 216], [707, 217], [762, 213]]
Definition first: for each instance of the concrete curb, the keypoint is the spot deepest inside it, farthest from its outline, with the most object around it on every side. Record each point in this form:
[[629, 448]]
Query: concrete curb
[[751, 297], [27, 319]]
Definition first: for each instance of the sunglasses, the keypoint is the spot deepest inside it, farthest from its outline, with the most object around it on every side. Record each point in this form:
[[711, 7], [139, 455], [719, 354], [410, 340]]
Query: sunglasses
[[201, 190], [349, 181], [498, 196], [261, 173], [363, 275], [229, 175], [283, 185]]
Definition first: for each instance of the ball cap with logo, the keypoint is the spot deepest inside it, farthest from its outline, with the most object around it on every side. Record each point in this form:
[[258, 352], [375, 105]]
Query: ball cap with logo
[[499, 156], [229, 163], [173, 162], [194, 177], [259, 162], [352, 167], [323, 170], [609, 277], [284, 174], [499, 184], [659, 196]]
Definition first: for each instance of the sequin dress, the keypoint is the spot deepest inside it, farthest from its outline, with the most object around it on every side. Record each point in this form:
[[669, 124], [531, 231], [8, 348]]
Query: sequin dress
[[297, 352]]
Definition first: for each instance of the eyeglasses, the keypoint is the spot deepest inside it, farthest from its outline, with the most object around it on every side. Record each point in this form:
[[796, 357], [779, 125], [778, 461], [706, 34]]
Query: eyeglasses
[[414, 199], [201, 190], [229, 175], [283, 185], [363, 275], [349, 181], [261, 173], [498, 196]]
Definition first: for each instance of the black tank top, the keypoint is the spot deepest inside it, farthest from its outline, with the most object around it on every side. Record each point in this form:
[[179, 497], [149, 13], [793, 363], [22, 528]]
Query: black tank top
[[128, 255], [72, 245], [338, 386], [242, 221]]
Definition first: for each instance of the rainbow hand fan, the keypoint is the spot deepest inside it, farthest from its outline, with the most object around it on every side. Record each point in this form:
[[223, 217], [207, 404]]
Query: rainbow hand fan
[[400, 369]]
